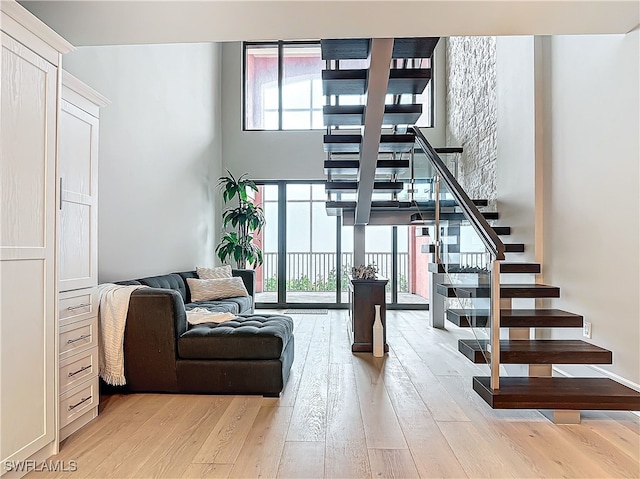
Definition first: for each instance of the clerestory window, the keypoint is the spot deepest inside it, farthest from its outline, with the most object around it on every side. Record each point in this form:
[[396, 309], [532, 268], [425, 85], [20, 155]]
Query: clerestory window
[[282, 85]]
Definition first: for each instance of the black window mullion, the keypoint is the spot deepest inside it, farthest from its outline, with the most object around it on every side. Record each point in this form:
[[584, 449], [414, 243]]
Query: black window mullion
[[280, 81], [282, 242], [244, 86], [394, 265], [338, 260]]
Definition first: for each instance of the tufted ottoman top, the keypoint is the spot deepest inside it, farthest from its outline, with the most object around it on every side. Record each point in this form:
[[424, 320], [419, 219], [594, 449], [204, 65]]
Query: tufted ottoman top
[[248, 337]]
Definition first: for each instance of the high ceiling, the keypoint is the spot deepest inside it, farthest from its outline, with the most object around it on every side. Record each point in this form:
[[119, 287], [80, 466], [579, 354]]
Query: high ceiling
[[132, 22]]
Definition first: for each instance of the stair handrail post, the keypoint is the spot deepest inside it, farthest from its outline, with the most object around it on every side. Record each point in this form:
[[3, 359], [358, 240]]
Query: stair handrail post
[[495, 325], [412, 185], [437, 219]]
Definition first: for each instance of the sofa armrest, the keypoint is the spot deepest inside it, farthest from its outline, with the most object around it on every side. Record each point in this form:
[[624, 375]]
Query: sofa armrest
[[249, 278], [155, 320]]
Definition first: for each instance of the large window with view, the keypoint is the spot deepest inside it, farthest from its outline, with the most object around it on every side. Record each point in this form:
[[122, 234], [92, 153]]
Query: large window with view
[[309, 253], [283, 85]]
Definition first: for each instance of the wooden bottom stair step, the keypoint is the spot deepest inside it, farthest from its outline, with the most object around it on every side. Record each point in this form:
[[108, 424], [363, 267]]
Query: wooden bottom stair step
[[538, 351], [558, 393], [516, 318]]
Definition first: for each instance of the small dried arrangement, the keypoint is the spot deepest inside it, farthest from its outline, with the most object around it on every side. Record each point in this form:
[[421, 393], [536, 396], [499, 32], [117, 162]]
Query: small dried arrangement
[[364, 272]]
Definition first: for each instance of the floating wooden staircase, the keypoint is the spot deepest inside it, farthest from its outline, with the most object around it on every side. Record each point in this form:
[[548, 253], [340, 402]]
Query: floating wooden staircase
[[361, 157], [539, 390], [364, 158]]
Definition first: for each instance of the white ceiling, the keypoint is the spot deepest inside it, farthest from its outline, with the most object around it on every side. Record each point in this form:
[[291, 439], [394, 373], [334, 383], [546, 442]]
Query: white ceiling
[[131, 22]]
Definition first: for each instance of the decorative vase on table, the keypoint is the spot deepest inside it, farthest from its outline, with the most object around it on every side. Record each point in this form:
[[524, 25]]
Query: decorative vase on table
[[378, 334]]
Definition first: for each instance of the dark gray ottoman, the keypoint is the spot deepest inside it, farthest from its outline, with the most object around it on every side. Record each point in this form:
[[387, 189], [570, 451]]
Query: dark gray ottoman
[[250, 355]]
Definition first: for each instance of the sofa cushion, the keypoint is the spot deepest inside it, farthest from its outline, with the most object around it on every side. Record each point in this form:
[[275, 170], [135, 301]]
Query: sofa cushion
[[214, 273], [167, 281], [212, 289], [248, 337]]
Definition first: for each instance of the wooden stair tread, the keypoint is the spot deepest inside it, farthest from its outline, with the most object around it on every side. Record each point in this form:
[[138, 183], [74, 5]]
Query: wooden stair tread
[[490, 215], [358, 48], [343, 167], [352, 186], [502, 230], [506, 268], [354, 81], [517, 318], [345, 48], [398, 143], [506, 291], [455, 248], [558, 393], [354, 114], [538, 351]]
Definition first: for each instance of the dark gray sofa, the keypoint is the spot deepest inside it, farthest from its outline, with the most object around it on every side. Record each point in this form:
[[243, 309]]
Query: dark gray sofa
[[250, 355]]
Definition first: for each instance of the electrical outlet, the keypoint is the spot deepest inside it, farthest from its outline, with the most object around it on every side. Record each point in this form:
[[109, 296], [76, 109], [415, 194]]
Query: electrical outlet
[[586, 329]]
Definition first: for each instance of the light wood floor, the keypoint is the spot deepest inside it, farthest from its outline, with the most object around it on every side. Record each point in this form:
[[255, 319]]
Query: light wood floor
[[411, 414]]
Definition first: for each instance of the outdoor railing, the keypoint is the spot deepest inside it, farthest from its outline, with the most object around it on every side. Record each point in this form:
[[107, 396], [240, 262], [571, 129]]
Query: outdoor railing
[[318, 271]]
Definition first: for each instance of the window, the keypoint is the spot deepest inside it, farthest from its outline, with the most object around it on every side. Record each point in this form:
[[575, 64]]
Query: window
[[283, 86]]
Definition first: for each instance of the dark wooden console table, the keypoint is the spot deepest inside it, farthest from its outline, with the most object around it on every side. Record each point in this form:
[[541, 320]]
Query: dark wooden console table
[[363, 295]]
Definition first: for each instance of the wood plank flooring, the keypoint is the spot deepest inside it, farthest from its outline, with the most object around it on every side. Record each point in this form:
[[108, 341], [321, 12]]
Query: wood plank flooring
[[412, 414]]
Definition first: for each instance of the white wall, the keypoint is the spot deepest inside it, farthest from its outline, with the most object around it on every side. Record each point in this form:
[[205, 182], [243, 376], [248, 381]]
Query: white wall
[[568, 147], [592, 213], [515, 174], [160, 155], [288, 155], [265, 155]]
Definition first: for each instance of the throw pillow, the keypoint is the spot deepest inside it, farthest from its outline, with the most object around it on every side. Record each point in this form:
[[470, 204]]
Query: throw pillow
[[214, 273], [211, 289]]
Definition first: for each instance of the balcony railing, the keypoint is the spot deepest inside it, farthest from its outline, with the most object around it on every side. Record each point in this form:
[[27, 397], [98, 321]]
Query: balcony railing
[[318, 271]]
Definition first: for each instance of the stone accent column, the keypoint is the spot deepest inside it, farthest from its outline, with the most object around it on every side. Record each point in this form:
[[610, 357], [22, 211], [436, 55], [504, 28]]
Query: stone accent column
[[471, 112]]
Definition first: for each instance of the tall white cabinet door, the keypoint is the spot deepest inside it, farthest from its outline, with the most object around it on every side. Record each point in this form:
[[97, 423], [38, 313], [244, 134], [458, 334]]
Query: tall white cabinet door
[[78, 164], [27, 252]]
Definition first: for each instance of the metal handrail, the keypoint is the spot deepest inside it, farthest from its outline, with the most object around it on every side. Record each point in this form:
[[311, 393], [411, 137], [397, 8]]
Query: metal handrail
[[470, 210]]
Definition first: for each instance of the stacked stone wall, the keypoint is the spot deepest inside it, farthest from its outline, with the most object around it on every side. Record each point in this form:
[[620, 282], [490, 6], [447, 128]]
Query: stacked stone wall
[[471, 112]]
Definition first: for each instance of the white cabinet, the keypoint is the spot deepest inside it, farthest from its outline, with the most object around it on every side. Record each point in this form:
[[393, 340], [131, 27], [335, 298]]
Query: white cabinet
[[78, 167], [78, 254], [31, 54]]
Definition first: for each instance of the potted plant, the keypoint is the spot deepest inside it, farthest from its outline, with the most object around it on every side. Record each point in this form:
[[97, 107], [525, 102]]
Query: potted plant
[[240, 223]]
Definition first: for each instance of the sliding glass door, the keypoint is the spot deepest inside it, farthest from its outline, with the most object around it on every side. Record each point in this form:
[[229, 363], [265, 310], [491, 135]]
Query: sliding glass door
[[308, 254], [311, 246]]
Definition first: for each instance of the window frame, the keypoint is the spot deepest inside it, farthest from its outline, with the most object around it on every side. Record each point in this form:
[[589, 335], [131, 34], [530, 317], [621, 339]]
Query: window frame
[[280, 44]]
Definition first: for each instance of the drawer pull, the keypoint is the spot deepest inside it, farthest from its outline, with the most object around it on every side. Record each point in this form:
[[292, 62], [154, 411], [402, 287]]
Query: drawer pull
[[83, 368], [81, 305], [80, 338], [83, 400]]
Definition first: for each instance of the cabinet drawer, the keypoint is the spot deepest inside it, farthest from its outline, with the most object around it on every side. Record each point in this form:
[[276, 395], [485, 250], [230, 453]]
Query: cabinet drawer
[[77, 305], [78, 368], [78, 400], [77, 337]]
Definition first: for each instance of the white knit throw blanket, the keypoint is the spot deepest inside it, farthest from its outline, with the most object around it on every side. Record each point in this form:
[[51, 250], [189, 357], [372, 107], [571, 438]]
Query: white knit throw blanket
[[112, 318], [203, 315]]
